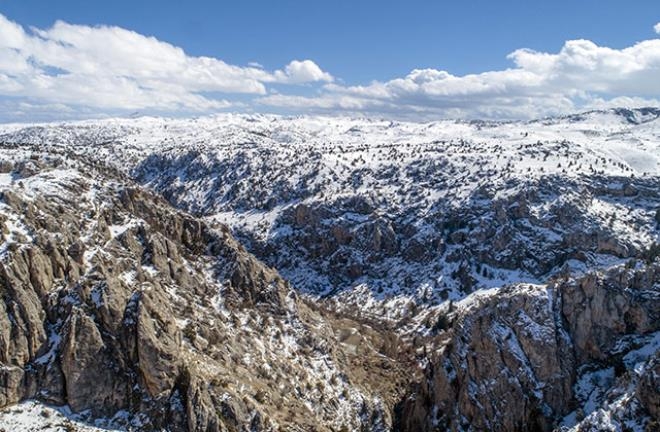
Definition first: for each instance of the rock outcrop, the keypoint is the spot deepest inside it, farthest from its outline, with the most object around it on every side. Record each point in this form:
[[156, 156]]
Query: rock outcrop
[[428, 211], [118, 304], [511, 357], [112, 301]]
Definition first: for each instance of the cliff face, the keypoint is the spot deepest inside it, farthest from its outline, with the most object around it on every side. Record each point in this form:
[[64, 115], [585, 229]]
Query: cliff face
[[112, 301], [516, 358]]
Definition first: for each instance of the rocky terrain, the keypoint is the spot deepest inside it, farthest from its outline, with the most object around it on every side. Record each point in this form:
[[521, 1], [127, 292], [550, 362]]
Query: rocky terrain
[[379, 210], [269, 273], [118, 305], [575, 352]]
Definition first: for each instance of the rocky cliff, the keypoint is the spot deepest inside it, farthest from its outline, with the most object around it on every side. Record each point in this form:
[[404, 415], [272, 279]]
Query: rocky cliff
[[114, 302], [372, 210], [535, 357]]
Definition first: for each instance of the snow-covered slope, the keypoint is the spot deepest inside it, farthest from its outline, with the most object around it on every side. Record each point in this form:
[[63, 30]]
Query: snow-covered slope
[[385, 213], [116, 305], [441, 250], [32, 416]]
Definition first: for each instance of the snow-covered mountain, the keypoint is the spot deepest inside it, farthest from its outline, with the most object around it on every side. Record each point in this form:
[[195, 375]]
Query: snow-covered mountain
[[384, 212], [440, 265]]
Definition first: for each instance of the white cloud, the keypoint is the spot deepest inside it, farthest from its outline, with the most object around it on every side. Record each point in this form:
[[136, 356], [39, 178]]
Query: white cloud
[[298, 72], [113, 68], [657, 28], [580, 75], [109, 70]]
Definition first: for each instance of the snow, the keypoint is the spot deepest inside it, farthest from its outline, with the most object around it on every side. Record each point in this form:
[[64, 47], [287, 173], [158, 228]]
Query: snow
[[117, 230], [150, 270], [129, 277], [16, 231], [6, 179], [49, 183], [608, 403], [476, 299], [32, 416], [54, 341], [251, 171], [636, 358], [591, 386]]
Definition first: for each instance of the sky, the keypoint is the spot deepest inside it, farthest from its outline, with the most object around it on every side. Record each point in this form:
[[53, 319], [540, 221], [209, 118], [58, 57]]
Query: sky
[[412, 60]]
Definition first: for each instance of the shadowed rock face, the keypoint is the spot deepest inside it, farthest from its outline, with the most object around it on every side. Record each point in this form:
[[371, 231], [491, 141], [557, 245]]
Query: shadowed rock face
[[648, 389], [527, 229], [510, 358]]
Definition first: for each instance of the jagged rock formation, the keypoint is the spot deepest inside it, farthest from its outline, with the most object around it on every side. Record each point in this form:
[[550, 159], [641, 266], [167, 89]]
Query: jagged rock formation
[[519, 230], [510, 358], [375, 210], [112, 301]]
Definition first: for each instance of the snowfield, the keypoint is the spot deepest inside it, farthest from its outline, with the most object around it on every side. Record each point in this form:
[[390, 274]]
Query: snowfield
[[33, 416]]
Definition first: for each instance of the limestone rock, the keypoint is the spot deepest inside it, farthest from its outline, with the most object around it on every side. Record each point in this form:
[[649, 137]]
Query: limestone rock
[[158, 342], [91, 382]]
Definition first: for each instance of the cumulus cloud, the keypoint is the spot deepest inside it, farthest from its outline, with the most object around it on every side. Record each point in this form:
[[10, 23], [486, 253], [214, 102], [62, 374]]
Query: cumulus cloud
[[580, 76], [111, 68], [657, 28], [78, 70], [298, 72]]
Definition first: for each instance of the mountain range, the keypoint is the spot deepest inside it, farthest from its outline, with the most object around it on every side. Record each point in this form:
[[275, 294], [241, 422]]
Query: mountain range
[[258, 272]]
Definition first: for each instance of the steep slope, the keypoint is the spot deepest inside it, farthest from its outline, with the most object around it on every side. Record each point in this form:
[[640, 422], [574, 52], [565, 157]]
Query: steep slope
[[116, 304], [580, 353], [480, 275]]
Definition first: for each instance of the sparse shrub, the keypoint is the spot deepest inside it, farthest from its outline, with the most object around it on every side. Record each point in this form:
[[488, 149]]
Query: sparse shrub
[[260, 396], [442, 323], [190, 332], [652, 253]]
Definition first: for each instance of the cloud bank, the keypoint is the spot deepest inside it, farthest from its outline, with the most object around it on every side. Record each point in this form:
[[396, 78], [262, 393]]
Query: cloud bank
[[582, 75], [111, 68], [76, 70]]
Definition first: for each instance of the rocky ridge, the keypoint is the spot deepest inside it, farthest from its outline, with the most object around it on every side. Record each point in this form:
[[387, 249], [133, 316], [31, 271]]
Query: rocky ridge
[[113, 302], [535, 357], [382, 213]]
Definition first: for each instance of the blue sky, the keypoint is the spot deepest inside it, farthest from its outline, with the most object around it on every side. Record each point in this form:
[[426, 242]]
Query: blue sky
[[413, 59]]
